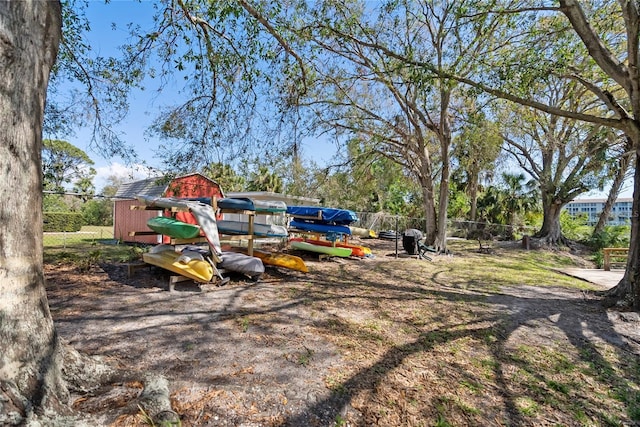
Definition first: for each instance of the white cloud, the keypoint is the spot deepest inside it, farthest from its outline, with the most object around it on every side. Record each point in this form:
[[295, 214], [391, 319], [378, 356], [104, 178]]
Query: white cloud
[[126, 173]]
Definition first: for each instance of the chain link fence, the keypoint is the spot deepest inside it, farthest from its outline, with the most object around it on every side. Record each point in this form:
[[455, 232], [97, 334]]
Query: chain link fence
[[91, 234], [97, 226], [71, 220], [381, 221]]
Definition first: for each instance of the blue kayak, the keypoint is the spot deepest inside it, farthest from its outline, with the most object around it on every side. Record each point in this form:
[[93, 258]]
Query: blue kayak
[[236, 203], [320, 227], [323, 214]]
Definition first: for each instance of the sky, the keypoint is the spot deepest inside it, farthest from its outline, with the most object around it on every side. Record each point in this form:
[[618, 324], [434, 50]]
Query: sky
[[108, 31], [104, 39]]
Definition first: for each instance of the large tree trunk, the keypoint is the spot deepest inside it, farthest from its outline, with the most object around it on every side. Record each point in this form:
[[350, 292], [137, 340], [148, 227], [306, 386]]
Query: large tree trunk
[[444, 137], [623, 166], [627, 292], [472, 191], [443, 198], [551, 231], [36, 369], [443, 203], [429, 211], [428, 197], [30, 368]]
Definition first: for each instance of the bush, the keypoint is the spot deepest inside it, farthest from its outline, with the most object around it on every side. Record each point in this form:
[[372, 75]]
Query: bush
[[615, 236], [62, 221], [575, 227], [98, 212]]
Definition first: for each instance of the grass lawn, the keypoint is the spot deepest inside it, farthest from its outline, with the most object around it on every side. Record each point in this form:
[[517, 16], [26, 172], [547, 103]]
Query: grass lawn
[[465, 340], [87, 234]]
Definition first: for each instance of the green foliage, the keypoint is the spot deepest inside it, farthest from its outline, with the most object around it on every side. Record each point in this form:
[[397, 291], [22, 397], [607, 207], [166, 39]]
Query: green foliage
[[476, 149], [225, 176], [508, 203], [85, 263], [97, 212], [575, 227], [63, 163], [615, 236], [459, 204], [62, 221], [54, 203], [265, 180]]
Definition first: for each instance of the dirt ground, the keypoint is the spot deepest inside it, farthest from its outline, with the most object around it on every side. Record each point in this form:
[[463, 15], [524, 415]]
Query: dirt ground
[[353, 342]]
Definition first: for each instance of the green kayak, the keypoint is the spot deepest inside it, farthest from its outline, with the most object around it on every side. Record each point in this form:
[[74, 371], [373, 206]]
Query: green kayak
[[173, 228], [327, 250]]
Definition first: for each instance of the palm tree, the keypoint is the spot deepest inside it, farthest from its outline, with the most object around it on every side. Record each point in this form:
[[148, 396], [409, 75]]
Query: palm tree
[[265, 180], [504, 205], [519, 196]]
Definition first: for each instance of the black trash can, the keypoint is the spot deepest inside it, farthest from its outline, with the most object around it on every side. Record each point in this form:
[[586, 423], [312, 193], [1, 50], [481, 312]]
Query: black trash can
[[410, 239]]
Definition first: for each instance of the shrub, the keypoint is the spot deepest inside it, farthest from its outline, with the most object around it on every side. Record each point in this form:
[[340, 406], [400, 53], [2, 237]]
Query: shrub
[[98, 212], [62, 221], [575, 227], [615, 236]]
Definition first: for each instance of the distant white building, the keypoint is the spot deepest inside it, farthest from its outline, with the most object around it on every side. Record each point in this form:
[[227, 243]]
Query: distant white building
[[620, 212]]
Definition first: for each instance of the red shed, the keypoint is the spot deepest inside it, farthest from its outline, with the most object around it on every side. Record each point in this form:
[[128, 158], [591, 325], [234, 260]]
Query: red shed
[[126, 220]]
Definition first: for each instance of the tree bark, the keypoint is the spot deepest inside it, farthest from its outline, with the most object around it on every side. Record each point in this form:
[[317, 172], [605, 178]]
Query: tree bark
[[30, 369], [443, 204], [444, 137], [424, 176], [623, 166], [472, 191], [36, 369], [430, 212], [627, 291], [551, 231]]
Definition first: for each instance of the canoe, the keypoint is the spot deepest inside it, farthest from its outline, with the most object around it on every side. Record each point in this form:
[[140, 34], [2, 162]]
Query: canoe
[[241, 227], [173, 228], [241, 263], [203, 213], [323, 214], [272, 206], [304, 246], [236, 204], [279, 259], [245, 204], [362, 232], [192, 268], [356, 250], [319, 228]]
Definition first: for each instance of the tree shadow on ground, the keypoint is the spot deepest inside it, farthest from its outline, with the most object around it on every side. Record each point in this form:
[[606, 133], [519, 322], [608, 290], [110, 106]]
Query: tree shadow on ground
[[280, 316], [584, 323]]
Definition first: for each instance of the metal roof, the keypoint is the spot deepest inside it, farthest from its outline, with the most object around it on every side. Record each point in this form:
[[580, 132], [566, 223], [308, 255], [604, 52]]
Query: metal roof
[[153, 187]]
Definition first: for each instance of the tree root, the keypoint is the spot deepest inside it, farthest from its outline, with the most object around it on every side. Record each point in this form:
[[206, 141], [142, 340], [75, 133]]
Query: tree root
[[101, 389], [155, 401]]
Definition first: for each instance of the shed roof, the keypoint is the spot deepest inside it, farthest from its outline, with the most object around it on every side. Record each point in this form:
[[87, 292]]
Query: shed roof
[[153, 187]]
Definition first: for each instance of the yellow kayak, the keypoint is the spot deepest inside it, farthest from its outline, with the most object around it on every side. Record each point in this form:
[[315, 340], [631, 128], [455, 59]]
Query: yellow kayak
[[362, 232], [278, 259], [192, 268]]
